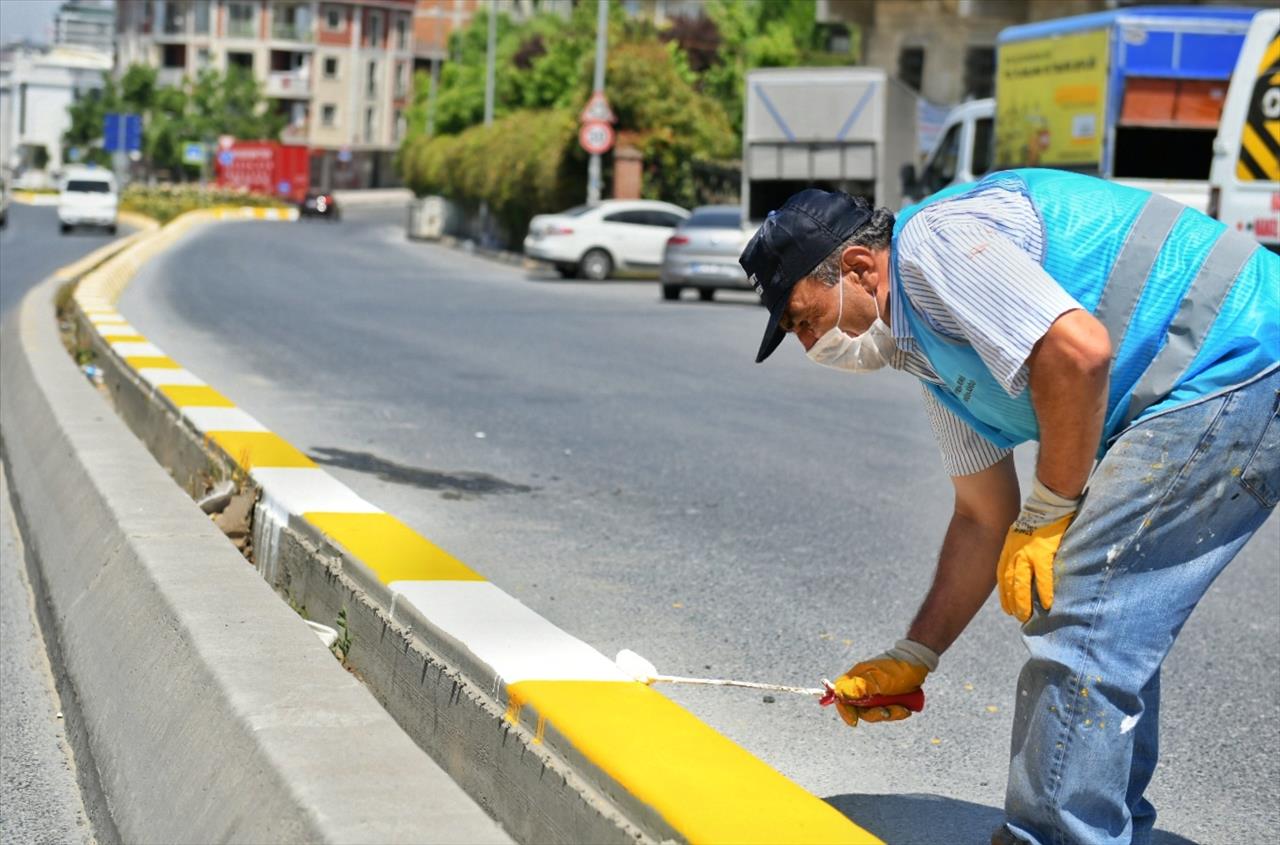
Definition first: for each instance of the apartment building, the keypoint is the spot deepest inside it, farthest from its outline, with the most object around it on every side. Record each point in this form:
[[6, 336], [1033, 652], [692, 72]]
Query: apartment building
[[341, 72]]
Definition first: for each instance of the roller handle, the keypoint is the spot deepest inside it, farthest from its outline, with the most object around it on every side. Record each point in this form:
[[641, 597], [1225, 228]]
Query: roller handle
[[913, 701]]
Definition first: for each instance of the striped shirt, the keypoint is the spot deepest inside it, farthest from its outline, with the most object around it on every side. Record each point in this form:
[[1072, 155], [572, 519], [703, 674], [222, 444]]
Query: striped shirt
[[971, 267]]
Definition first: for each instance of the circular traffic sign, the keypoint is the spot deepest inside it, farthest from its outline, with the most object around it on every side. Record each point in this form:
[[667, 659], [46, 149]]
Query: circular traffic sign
[[596, 137]]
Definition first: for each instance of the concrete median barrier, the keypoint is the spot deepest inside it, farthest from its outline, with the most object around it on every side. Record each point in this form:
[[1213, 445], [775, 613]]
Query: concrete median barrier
[[201, 707], [539, 727]]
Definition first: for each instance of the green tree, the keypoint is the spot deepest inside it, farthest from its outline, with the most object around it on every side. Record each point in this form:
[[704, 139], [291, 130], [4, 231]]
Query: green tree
[[209, 106]]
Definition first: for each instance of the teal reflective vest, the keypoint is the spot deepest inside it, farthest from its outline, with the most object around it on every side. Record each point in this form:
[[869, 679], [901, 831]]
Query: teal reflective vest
[[1191, 308]]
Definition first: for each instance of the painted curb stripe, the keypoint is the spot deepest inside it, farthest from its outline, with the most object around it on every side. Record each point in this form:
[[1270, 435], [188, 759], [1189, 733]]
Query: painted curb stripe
[[252, 449], [183, 395], [707, 787], [159, 376], [298, 490], [393, 550], [151, 362], [221, 419], [131, 350], [506, 635]]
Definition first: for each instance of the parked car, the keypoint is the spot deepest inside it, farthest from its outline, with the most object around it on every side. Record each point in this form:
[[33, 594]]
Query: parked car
[[320, 205], [703, 253], [4, 204], [88, 198], [594, 241]]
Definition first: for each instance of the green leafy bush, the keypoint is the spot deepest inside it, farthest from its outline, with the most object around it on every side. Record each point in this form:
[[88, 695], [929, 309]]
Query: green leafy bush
[[524, 164], [165, 202]]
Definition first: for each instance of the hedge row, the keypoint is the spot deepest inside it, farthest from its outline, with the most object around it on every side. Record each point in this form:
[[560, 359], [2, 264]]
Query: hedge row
[[526, 163], [165, 202]]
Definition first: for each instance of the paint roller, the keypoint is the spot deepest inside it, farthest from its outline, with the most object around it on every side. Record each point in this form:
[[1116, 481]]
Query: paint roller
[[645, 672]]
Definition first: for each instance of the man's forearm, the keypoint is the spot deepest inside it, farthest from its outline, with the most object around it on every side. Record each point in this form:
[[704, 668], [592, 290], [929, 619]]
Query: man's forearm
[[965, 576], [1069, 374]]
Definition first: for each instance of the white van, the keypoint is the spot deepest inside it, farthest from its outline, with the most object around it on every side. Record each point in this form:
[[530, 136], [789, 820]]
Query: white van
[[1244, 180], [88, 198], [964, 151]]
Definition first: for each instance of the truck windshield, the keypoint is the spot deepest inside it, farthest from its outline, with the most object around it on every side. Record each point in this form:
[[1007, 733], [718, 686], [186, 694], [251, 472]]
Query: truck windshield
[[88, 186]]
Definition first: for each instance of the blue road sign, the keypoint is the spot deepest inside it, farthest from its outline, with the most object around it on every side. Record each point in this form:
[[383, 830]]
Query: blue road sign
[[122, 132], [226, 157], [283, 187], [193, 153]]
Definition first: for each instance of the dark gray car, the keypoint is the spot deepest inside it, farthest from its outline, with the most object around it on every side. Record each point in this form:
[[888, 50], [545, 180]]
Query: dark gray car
[[703, 253]]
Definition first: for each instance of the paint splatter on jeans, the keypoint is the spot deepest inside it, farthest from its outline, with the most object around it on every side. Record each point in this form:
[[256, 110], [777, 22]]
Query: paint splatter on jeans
[[1170, 504]]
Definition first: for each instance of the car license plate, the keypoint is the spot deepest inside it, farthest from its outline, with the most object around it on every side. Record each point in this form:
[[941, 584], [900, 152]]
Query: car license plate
[[708, 269]]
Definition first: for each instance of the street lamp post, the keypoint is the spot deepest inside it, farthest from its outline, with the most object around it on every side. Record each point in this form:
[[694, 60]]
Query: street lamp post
[[602, 40], [488, 109]]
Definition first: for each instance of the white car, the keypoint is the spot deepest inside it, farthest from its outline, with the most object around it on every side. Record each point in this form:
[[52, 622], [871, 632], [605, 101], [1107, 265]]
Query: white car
[[88, 198], [593, 241]]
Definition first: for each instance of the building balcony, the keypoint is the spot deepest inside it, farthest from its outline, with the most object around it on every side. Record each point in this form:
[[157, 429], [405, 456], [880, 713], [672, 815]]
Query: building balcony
[[283, 31], [288, 83], [296, 133], [170, 77]]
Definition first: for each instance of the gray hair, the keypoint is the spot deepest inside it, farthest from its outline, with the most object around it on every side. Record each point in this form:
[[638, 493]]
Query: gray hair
[[876, 235]]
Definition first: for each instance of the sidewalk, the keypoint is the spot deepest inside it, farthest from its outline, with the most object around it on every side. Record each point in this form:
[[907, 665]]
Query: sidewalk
[[39, 796]]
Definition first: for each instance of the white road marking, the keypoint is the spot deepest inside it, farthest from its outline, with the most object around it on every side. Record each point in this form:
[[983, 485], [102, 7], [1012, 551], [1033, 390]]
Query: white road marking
[[518, 644], [300, 490], [208, 419], [161, 375]]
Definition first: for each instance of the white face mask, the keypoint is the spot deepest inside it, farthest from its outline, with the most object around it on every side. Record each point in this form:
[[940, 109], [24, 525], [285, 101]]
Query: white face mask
[[868, 351]]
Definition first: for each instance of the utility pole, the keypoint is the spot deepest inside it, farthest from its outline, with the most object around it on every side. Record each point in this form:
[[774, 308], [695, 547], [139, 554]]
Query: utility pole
[[488, 108], [602, 39]]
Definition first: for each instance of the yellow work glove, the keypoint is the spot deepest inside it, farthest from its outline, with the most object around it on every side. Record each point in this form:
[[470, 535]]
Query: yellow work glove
[[1029, 549], [899, 670]]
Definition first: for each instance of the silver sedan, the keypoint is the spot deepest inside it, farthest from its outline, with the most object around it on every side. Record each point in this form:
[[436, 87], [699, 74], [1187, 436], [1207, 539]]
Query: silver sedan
[[703, 253]]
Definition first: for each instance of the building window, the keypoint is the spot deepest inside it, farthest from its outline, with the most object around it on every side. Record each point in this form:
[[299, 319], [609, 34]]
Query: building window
[[175, 18], [402, 32], [368, 125], [401, 78], [911, 67], [204, 58], [202, 16], [333, 18], [330, 67], [240, 20], [371, 85], [174, 56], [400, 126], [242, 61], [979, 72], [328, 114], [375, 29]]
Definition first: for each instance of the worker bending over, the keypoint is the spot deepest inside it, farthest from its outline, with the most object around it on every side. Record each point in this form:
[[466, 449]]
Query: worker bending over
[[1111, 325]]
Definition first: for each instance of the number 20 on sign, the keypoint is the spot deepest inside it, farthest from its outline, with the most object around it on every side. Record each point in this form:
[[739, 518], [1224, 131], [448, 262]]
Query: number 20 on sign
[[596, 137]]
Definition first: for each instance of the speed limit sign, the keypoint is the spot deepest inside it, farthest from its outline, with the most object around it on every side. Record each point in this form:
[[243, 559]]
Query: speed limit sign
[[596, 137]]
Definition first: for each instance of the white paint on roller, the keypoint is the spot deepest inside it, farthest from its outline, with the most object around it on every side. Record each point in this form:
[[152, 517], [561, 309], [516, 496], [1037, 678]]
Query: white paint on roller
[[300, 490], [207, 419], [1127, 723], [158, 376], [131, 349], [518, 644]]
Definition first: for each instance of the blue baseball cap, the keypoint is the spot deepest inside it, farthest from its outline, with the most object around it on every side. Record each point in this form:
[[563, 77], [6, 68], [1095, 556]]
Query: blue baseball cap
[[793, 240]]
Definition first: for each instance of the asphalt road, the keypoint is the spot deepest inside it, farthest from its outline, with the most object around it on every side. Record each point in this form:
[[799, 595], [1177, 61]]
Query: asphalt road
[[39, 797], [622, 466]]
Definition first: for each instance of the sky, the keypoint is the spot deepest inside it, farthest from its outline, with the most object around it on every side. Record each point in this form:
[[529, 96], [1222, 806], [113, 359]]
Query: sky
[[27, 19]]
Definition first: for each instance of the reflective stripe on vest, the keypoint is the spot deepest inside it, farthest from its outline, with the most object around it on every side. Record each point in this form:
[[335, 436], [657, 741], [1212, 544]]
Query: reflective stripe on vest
[[1154, 273]]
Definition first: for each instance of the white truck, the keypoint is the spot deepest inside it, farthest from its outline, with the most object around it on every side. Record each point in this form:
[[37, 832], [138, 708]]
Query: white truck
[[1244, 180], [838, 128]]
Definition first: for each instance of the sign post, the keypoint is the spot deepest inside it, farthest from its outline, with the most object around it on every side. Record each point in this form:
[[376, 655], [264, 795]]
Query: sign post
[[597, 97]]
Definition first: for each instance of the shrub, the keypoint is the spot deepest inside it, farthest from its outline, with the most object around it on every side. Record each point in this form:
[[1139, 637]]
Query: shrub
[[165, 202]]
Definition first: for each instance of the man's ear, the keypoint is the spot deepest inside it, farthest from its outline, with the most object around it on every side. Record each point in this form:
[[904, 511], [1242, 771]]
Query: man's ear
[[861, 262]]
